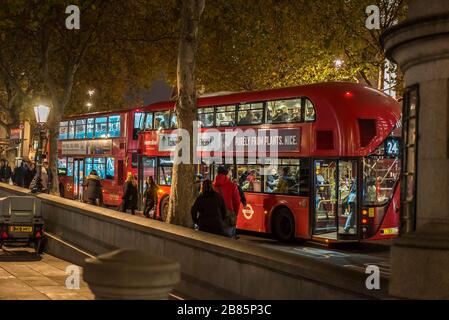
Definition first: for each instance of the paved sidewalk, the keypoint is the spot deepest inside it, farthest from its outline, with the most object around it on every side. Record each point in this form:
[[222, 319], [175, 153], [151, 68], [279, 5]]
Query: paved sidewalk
[[24, 275]]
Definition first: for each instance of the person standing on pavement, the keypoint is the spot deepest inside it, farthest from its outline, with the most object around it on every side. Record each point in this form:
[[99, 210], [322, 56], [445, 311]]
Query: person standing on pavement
[[2, 171], [7, 172], [30, 174], [231, 197], [50, 177], [209, 210], [150, 197], [130, 194], [93, 189]]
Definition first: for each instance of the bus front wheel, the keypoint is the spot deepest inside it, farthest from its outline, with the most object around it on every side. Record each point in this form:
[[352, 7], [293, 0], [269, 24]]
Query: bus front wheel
[[283, 225], [163, 209]]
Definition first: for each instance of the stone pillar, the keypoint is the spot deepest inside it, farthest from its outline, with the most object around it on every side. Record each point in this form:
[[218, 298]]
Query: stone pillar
[[420, 46], [128, 274]]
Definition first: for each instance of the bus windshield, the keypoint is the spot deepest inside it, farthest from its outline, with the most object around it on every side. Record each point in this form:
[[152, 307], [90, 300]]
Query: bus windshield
[[380, 176]]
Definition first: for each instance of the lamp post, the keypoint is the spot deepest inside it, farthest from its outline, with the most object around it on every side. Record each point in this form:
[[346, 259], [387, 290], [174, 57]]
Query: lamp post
[[41, 112]]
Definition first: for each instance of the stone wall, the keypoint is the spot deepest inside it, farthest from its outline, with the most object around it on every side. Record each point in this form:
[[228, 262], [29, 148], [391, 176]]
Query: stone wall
[[212, 267]]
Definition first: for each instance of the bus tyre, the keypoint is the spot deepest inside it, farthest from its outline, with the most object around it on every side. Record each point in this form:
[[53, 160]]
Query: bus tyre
[[163, 209], [283, 225]]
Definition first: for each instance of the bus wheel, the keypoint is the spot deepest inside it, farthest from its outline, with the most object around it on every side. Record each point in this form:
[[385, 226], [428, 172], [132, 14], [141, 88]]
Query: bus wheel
[[61, 190], [283, 225], [163, 209]]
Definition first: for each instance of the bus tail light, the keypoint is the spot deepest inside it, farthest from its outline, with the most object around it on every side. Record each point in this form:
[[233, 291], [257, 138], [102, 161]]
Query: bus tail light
[[4, 235], [365, 221], [364, 212]]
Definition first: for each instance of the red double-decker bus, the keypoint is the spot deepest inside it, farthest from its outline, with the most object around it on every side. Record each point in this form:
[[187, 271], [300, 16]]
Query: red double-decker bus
[[338, 158], [97, 141]]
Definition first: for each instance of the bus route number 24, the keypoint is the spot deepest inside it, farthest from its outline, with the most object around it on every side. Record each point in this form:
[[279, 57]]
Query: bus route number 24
[[392, 147]]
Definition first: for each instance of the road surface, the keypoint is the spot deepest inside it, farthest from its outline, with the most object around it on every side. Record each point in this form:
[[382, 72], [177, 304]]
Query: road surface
[[356, 256]]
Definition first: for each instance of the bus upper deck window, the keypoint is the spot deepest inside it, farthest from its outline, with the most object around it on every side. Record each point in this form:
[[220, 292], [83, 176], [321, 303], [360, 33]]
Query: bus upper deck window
[[90, 128], [101, 127], [148, 121], [63, 130], [250, 114], [71, 129], [309, 115], [162, 120], [138, 120], [80, 129], [173, 120], [114, 126], [284, 111], [225, 116], [206, 116]]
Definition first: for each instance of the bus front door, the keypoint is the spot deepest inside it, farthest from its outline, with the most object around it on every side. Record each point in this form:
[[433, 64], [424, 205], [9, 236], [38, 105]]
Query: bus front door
[[146, 167], [347, 200], [335, 206], [78, 178]]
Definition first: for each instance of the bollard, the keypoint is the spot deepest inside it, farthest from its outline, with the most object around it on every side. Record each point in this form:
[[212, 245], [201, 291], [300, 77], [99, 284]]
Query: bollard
[[129, 274]]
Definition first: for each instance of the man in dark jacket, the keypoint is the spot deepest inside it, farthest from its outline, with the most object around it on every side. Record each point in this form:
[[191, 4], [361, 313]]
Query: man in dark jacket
[[93, 189], [5, 171], [19, 174]]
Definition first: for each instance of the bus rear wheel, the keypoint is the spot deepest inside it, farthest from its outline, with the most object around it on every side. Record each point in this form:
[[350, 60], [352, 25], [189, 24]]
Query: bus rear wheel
[[283, 225], [163, 209]]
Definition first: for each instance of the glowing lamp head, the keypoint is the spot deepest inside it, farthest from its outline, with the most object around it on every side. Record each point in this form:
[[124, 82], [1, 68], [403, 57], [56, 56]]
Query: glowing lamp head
[[41, 112]]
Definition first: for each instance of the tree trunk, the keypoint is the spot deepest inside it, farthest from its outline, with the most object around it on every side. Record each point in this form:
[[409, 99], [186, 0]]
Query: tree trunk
[[183, 193], [53, 128]]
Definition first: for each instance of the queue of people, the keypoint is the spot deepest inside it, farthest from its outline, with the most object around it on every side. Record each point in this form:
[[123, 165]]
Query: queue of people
[[24, 174], [216, 208]]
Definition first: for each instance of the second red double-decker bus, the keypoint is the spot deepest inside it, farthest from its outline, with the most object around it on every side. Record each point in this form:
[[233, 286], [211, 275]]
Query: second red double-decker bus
[[338, 163], [98, 142]]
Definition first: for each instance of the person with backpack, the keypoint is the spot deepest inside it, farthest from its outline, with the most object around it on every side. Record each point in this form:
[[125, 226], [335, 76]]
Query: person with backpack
[[93, 189], [231, 196]]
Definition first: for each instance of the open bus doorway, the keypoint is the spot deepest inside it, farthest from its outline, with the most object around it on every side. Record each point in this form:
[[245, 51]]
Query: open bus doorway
[[335, 205]]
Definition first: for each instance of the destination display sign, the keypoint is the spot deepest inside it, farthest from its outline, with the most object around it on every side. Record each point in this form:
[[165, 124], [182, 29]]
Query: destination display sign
[[280, 140], [86, 147]]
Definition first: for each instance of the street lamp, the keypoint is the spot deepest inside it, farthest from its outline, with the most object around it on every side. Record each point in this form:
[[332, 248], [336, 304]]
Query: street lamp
[[41, 112]]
